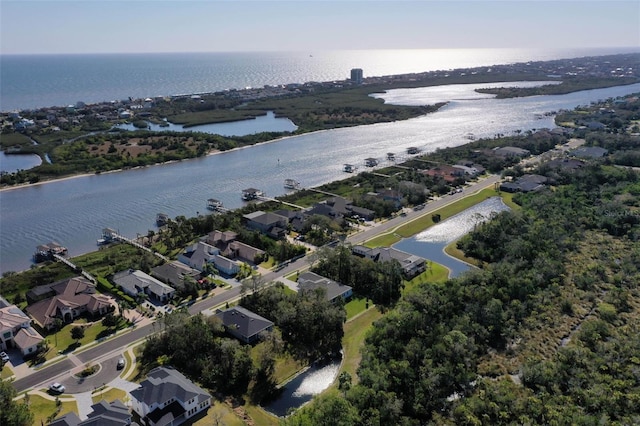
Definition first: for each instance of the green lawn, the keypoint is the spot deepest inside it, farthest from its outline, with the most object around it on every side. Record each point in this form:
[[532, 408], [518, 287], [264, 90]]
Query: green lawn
[[42, 408], [355, 306], [62, 341], [355, 332], [220, 414], [435, 273], [6, 372], [109, 396]]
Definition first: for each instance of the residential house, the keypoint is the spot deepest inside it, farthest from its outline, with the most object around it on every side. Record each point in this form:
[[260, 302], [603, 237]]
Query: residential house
[[589, 152], [174, 273], [296, 219], [231, 248], [444, 171], [67, 299], [568, 164], [525, 183], [511, 151], [103, 414], [201, 253], [243, 324], [309, 281], [16, 330], [134, 282], [411, 264], [268, 223], [167, 397]]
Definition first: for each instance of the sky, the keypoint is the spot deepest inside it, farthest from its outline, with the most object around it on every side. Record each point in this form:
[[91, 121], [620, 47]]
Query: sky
[[136, 26]]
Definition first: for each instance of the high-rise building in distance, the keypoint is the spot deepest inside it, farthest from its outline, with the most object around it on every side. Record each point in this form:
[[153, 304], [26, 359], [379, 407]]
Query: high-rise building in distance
[[356, 75]]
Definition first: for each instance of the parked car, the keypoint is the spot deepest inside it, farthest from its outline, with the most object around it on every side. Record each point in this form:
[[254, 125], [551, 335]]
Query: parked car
[[56, 388], [120, 364], [4, 357]]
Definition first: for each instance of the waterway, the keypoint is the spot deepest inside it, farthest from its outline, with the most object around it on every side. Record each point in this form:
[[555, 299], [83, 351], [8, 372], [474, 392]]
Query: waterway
[[304, 387], [430, 244], [74, 211]]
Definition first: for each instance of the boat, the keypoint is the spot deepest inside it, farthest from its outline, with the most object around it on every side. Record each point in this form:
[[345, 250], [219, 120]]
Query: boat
[[413, 150], [349, 168], [291, 184], [213, 204], [251, 194], [370, 162], [391, 156], [162, 219]]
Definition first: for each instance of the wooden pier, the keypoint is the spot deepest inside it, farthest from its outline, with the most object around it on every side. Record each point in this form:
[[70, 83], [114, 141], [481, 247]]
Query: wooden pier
[[263, 198], [74, 267]]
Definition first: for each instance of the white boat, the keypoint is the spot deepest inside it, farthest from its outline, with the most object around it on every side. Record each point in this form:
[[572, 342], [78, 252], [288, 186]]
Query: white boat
[[349, 168], [251, 194], [213, 204], [291, 184]]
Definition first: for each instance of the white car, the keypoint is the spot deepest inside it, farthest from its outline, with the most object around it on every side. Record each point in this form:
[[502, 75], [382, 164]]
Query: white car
[[56, 388], [4, 357]]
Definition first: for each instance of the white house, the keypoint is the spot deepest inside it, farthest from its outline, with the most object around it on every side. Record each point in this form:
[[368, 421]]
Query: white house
[[201, 253], [134, 282], [16, 330], [167, 397]]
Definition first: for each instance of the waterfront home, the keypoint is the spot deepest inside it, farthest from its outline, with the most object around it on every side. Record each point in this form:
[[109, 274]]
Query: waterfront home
[[268, 223], [102, 413], [525, 183], [589, 152], [411, 264], [174, 273], [16, 330], [243, 324], [167, 397], [310, 281], [134, 282], [446, 172], [67, 300], [511, 151], [231, 248], [201, 253]]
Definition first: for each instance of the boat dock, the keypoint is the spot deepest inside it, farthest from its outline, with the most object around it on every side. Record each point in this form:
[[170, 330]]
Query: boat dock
[[74, 267], [251, 194]]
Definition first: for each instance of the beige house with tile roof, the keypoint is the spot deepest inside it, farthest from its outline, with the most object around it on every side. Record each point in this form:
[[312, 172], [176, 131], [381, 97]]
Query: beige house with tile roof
[[72, 297]]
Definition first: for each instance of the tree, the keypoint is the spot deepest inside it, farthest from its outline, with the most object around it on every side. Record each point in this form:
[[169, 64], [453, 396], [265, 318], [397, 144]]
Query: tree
[[77, 333], [109, 320], [13, 413]]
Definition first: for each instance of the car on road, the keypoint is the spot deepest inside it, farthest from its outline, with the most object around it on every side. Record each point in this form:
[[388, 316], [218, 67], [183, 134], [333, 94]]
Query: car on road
[[4, 357], [56, 388], [120, 364]]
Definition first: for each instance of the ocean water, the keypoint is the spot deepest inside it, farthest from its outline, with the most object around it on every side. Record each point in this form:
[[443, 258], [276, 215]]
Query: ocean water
[[35, 81]]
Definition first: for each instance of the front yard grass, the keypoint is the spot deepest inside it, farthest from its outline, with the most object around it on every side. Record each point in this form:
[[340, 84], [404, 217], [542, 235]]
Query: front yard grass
[[356, 306], [6, 372], [109, 396], [43, 408]]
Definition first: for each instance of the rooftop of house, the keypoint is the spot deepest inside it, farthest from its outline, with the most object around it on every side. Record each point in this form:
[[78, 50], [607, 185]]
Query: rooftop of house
[[309, 281], [165, 383], [243, 321]]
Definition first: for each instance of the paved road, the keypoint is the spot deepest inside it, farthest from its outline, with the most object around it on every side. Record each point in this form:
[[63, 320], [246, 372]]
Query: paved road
[[107, 351]]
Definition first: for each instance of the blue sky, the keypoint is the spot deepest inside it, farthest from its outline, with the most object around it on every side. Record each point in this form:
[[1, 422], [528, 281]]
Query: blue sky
[[98, 26]]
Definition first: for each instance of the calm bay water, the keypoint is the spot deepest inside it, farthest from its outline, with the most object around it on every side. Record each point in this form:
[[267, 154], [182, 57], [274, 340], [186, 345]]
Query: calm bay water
[[73, 212], [34, 81]]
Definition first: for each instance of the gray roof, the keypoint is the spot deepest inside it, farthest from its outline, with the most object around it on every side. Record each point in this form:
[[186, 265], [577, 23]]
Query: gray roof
[[103, 414], [589, 151], [308, 281], [164, 383], [174, 272], [136, 281], [243, 322]]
